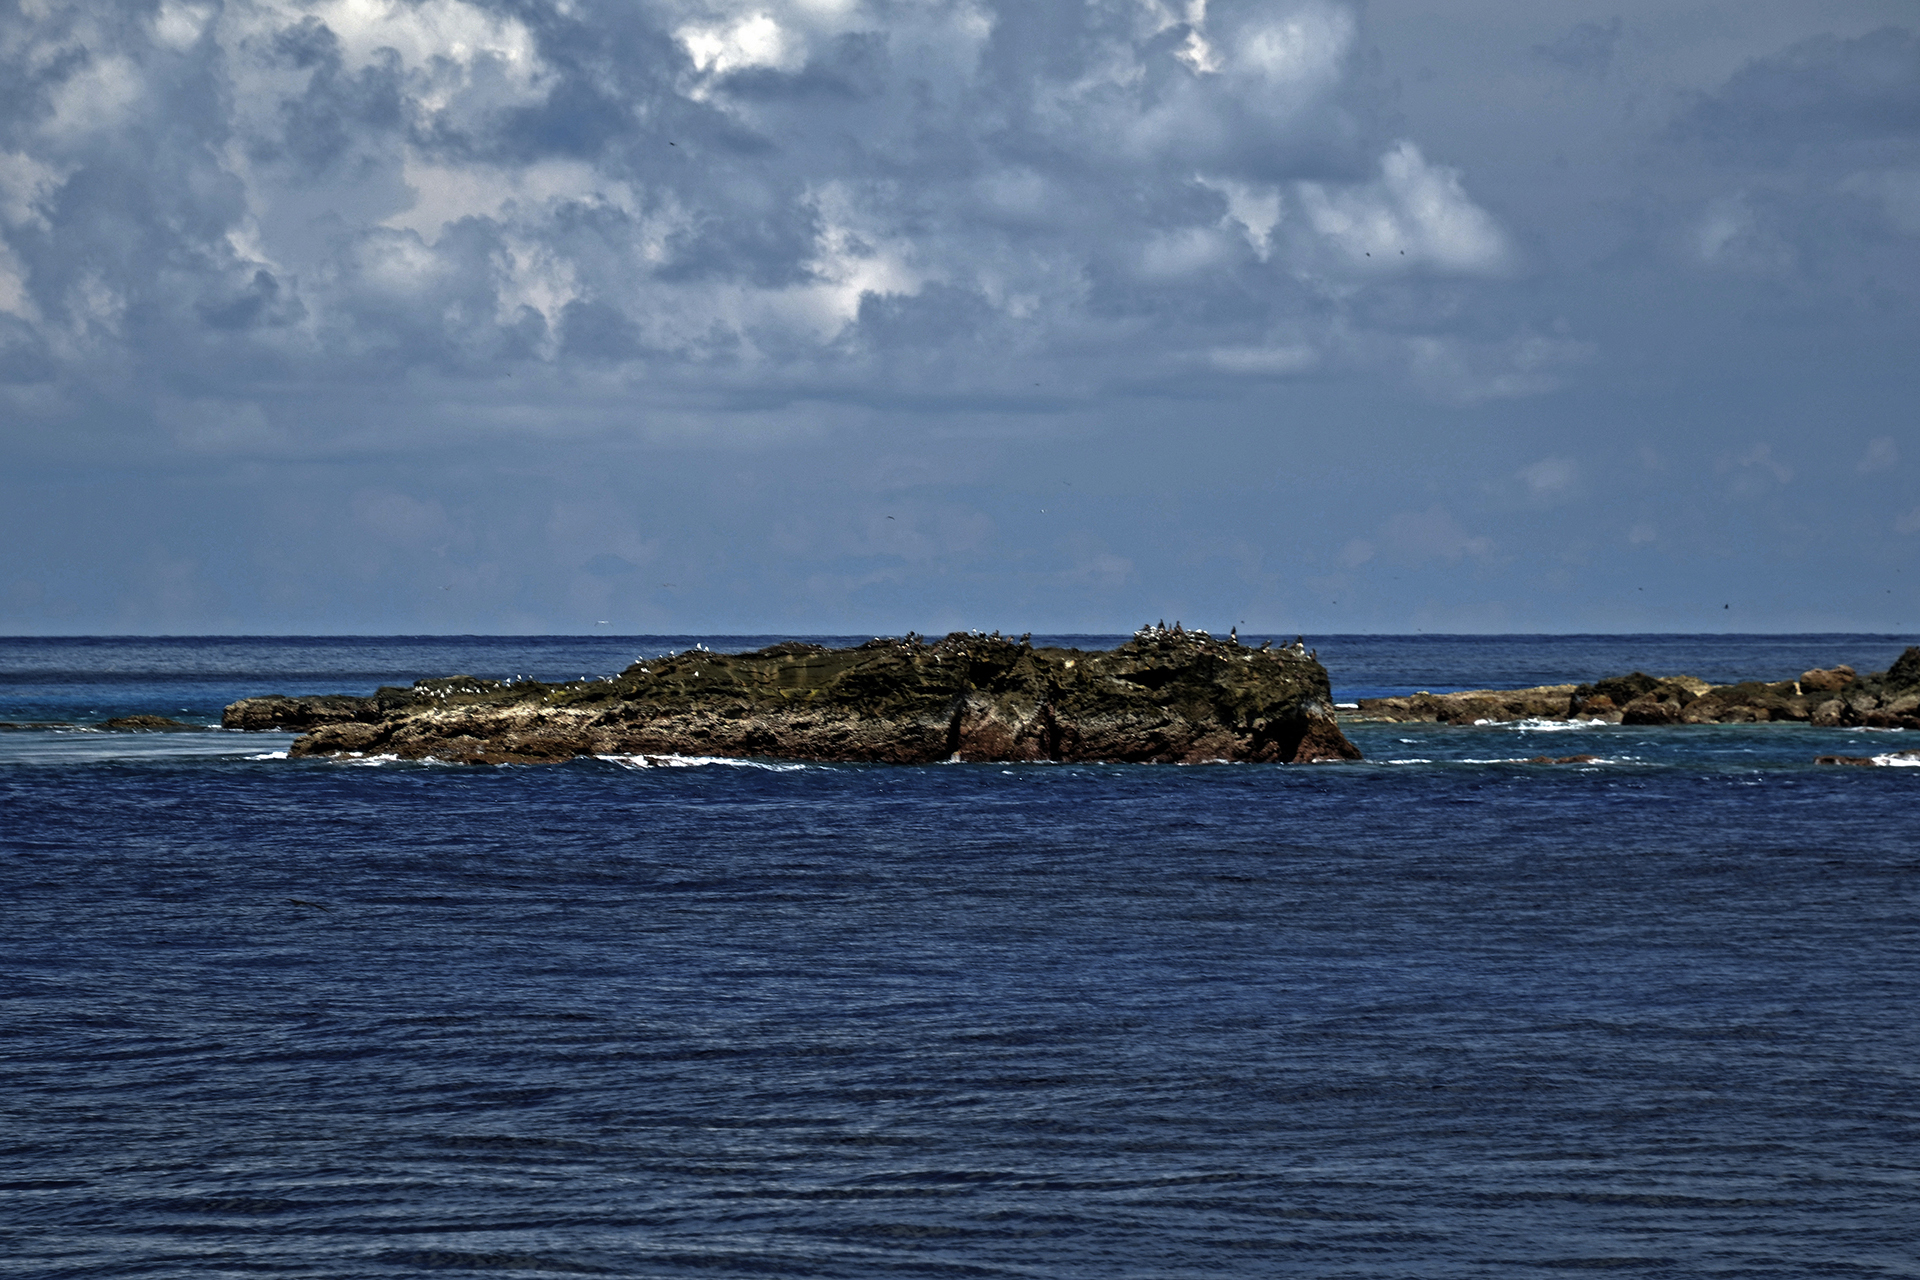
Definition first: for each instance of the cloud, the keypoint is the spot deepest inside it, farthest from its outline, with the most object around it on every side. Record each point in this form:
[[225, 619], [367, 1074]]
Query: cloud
[[1812, 148], [375, 278], [1416, 537], [1755, 470], [1730, 234], [1822, 90], [1908, 523], [1587, 48], [1414, 214], [1882, 455], [1467, 371], [711, 200], [1896, 191], [1549, 478]]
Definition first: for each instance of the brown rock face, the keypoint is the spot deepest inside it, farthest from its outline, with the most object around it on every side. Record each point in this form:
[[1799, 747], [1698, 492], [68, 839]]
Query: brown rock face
[[1162, 697]]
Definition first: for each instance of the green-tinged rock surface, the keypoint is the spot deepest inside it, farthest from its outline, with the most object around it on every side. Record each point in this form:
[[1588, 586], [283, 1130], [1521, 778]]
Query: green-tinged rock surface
[[1165, 696]]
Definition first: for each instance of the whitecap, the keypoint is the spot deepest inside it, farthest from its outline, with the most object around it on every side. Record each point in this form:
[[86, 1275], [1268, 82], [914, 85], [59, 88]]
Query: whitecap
[[1900, 760], [1532, 760], [361, 760], [690, 762], [1581, 764], [271, 755], [1543, 726]]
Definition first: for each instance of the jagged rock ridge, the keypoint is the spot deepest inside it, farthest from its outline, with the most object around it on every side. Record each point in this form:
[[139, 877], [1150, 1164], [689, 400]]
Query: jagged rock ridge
[[1167, 695]]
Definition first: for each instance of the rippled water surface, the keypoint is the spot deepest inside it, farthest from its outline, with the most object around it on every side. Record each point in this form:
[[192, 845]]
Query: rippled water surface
[[1441, 1013]]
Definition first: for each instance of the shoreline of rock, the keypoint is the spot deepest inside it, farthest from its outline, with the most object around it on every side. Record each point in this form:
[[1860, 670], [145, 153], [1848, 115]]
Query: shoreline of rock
[[1165, 696], [1836, 697]]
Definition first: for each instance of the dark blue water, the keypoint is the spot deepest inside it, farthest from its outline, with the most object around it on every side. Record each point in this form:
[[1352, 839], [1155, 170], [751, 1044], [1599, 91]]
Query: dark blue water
[[1441, 1013]]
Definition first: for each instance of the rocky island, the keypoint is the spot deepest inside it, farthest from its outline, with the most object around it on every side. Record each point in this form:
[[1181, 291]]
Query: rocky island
[[1829, 697], [1166, 696]]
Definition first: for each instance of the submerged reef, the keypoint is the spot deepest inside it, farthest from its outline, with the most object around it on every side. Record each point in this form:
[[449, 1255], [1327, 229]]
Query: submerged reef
[[1166, 696]]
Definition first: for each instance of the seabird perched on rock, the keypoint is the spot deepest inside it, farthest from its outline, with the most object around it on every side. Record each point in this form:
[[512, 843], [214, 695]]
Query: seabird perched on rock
[[1299, 644], [1233, 634], [1265, 645]]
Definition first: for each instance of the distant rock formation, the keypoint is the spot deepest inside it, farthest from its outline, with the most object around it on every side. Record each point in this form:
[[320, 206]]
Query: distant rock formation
[[147, 724], [1166, 696], [1830, 697]]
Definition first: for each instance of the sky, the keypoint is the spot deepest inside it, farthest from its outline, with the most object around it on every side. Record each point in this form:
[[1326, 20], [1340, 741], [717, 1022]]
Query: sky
[[855, 316]]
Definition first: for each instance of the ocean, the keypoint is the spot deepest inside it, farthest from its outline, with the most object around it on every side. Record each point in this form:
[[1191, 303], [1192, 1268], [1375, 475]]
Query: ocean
[[1440, 1013]]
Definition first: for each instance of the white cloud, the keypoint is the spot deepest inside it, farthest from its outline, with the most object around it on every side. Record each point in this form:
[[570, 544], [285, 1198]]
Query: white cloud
[[1414, 214], [1465, 372], [1305, 50], [1730, 234], [1196, 50], [1171, 255], [1755, 470], [97, 98], [26, 183], [14, 295], [1549, 478], [401, 183], [179, 25], [431, 36], [1255, 209], [1882, 455], [752, 40], [1433, 534], [444, 193]]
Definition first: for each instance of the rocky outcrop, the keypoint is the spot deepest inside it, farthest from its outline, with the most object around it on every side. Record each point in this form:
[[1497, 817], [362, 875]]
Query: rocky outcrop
[[1165, 696], [1831, 697], [1546, 702], [278, 711], [147, 724], [1894, 759]]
